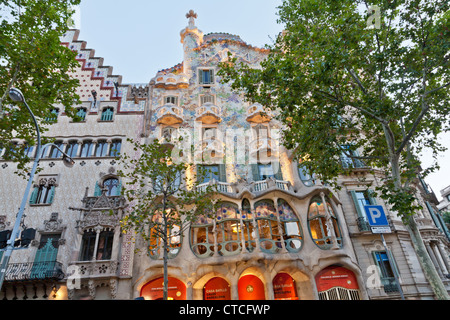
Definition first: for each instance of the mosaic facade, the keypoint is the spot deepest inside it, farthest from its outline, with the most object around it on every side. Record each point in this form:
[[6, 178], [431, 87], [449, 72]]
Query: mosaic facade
[[280, 234]]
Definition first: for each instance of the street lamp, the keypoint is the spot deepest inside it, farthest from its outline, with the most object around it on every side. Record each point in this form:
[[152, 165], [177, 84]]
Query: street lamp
[[17, 96]]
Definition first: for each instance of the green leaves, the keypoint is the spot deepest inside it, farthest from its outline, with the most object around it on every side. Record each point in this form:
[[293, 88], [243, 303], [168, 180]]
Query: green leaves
[[336, 82], [33, 60], [162, 192]]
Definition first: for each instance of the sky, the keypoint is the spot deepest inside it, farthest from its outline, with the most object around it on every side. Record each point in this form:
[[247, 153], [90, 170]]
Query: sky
[[140, 37]]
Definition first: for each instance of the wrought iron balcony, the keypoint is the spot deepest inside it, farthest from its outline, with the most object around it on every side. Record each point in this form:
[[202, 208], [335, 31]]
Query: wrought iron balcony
[[34, 271], [208, 113], [362, 223], [169, 114]]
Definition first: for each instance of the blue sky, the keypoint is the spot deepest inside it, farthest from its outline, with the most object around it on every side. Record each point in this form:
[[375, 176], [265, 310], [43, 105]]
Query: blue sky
[[139, 37]]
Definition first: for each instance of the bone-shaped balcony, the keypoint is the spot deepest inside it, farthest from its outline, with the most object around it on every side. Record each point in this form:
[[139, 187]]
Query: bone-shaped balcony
[[257, 114], [208, 113], [169, 114]]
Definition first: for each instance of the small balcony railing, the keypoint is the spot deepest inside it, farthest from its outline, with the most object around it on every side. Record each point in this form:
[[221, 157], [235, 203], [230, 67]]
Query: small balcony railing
[[221, 187], [33, 271], [263, 185]]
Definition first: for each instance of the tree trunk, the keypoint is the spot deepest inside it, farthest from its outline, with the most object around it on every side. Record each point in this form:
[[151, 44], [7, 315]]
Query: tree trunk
[[419, 247], [165, 253], [425, 261]]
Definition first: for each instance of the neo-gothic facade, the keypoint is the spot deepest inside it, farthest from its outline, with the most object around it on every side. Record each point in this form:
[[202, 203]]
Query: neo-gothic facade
[[280, 233]]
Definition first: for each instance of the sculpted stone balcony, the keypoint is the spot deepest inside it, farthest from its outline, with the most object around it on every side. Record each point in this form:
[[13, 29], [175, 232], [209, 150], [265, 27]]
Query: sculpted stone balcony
[[208, 113], [94, 269], [257, 114], [169, 114]]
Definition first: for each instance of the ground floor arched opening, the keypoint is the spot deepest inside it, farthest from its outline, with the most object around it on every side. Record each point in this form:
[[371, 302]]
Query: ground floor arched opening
[[154, 289], [337, 283]]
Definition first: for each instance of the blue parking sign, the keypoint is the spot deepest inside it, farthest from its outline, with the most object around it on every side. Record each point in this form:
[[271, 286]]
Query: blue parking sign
[[376, 216]]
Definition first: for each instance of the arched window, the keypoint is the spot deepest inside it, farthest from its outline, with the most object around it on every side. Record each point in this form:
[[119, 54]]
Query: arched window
[[267, 223], [113, 186], [323, 224], [174, 236], [290, 226]]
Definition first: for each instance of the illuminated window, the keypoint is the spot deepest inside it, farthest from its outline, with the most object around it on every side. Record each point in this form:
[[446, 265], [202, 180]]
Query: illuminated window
[[320, 223], [229, 229], [267, 223], [291, 229], [174, 236]]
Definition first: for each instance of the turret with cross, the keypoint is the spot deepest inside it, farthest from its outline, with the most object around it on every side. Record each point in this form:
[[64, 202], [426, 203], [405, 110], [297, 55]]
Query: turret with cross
[[191, 15]]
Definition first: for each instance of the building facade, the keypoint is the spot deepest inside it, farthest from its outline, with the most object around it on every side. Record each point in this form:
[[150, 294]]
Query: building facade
[[279, 234]]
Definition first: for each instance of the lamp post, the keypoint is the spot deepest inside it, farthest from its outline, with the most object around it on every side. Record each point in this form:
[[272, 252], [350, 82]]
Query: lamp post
[[16, 95]]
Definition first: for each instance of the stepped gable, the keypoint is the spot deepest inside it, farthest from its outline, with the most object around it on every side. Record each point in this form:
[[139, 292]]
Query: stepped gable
[[94, 76]]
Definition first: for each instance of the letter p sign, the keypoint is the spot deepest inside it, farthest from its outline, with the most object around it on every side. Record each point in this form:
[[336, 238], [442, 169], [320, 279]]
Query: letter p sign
[[376, 216]]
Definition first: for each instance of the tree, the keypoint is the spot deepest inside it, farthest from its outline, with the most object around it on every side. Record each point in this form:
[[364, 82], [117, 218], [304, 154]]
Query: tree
[[33, 60], [373, 94], [163, 198]]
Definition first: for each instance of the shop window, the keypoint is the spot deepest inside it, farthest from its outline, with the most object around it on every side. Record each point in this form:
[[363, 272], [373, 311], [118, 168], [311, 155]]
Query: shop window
[[250, 287], [323, 224], [337, 283], [284, 287], [153, 290], [217, 289]]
